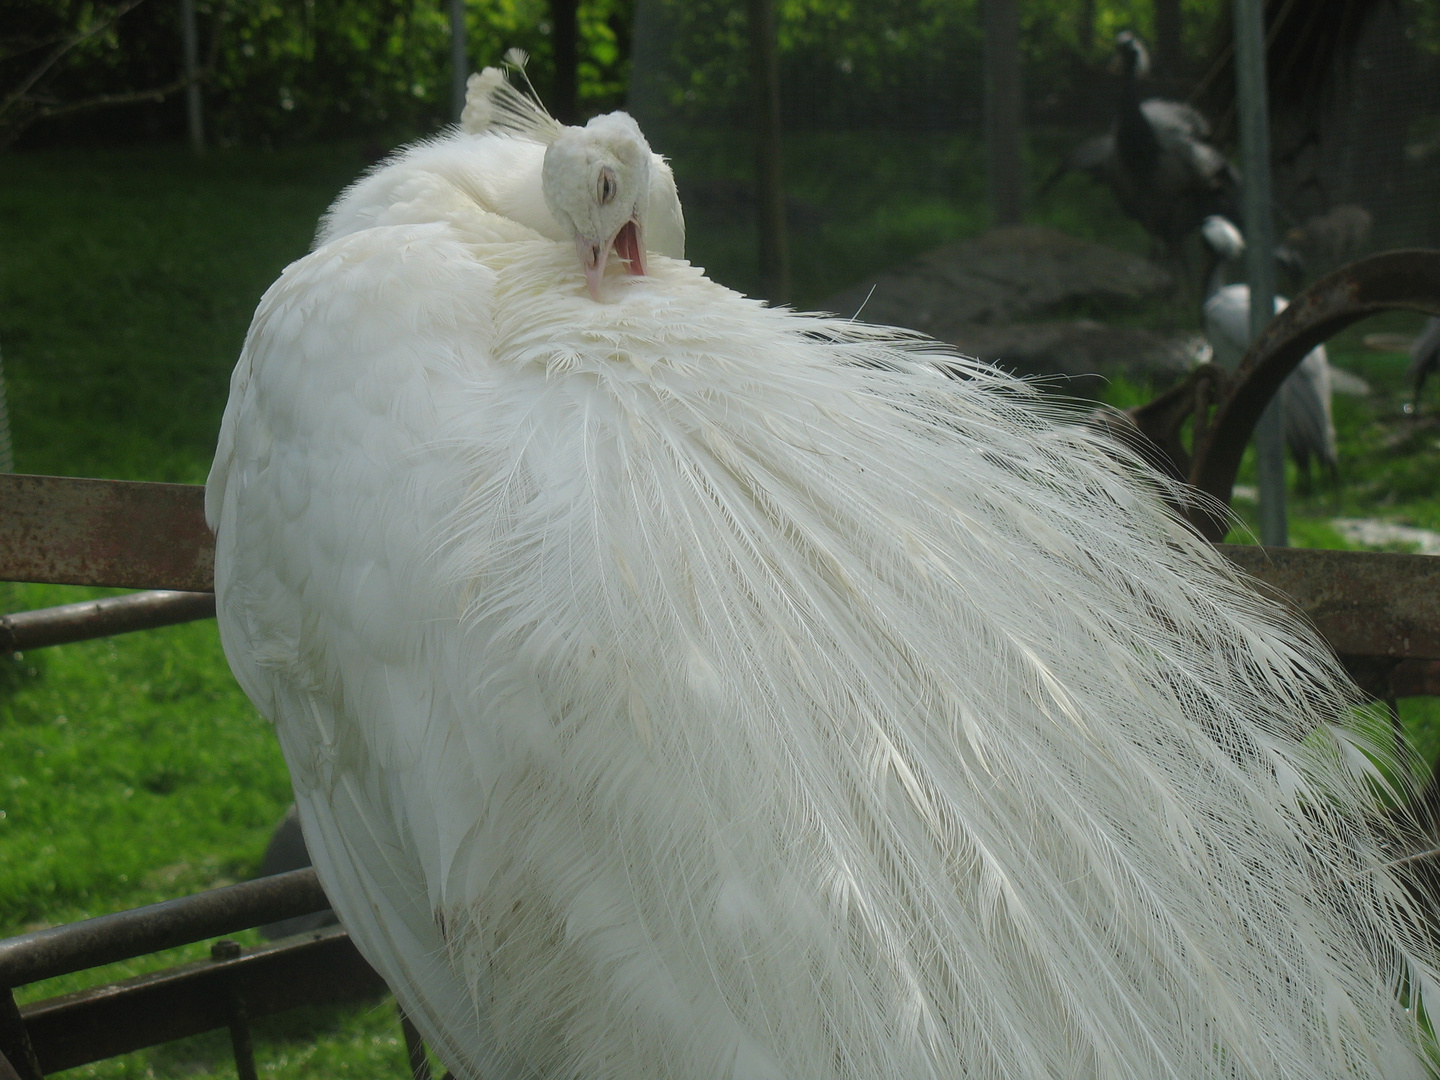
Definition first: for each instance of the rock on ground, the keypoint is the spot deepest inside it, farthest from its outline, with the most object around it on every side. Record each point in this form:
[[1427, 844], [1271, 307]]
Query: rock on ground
[[1002, 296]]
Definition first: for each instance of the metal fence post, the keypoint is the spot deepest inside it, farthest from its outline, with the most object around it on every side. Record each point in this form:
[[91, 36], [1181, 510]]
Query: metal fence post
[[459, 59], [1260, 250], [769, 187]]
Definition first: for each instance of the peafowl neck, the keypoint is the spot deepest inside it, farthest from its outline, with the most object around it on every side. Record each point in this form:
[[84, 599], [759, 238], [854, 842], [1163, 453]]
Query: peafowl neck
[[1135, 140]]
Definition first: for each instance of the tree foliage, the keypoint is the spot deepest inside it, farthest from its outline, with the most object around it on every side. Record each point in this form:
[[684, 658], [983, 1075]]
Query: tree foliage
[[297, 70], [288, 70], [59, 57]]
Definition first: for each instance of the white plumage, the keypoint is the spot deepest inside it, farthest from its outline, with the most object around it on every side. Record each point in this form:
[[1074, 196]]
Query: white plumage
[[676, 687], [430, 183]]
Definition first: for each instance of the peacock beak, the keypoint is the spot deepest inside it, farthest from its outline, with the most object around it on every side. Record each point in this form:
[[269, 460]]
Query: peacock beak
[[628, 243], [593, 256]]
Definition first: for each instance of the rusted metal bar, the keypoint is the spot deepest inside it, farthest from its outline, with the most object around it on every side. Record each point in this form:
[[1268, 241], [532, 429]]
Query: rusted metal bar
[[1161, 419], [61, 950], [237, 1014], [69, 531], [414, 1047], [105, 1021], [102, 618], [1364, 603], [15, 1040]]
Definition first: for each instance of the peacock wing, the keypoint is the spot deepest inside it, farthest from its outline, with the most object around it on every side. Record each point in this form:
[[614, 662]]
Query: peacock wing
[[665, 220], [326, 490], [1175, 117]]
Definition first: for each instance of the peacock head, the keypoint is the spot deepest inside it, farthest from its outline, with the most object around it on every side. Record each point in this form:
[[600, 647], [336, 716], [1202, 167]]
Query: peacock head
[[596, 181], [1131, 57]]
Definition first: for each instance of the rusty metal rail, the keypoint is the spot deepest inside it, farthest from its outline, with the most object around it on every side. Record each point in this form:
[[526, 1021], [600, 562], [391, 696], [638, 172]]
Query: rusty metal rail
[[230, 989], [1364, 603], [67, 531], [1379, 611]]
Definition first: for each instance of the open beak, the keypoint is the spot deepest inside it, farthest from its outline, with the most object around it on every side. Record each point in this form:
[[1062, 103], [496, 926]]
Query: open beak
[[627, 243]]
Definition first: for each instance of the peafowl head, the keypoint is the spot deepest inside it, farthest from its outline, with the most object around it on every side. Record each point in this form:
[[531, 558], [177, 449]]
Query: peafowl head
[[1131, 56], [596, 181]]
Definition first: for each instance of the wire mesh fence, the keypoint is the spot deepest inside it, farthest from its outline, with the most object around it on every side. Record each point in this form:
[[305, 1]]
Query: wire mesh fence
[[882, 112]]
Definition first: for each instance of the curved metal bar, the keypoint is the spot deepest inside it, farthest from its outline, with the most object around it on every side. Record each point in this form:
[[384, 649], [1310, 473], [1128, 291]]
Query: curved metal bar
[[1161, 419], [1393, 280]]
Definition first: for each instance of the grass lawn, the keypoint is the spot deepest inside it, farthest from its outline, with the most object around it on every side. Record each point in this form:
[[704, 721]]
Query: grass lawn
[[136, 769]]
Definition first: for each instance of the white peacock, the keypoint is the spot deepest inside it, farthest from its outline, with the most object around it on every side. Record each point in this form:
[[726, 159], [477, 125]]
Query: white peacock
[[678, 687]]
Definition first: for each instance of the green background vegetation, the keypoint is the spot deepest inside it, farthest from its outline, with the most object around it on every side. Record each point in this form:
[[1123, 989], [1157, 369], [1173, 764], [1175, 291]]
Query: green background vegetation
[[285, 73]]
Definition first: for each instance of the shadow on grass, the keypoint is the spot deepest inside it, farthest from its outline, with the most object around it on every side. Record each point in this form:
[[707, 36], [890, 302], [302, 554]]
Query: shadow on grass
[[314, 1043]]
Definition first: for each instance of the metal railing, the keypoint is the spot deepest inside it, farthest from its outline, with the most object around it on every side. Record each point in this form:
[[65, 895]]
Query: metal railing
[[1379, 612]]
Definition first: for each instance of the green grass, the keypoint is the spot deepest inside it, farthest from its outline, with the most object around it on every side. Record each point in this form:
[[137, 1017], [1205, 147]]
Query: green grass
[[127, 283], [136, 770], [143, 772]]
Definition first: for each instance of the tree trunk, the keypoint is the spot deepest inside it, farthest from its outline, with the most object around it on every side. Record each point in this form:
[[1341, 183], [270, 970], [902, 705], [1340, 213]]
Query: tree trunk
[[190, 51], [1003, 111], [1085, 27], [565, 38], [770, 187], [1169, 39]]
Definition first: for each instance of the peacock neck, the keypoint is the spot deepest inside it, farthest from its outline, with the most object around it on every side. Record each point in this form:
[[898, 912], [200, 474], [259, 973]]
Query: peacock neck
[[1135, 138]]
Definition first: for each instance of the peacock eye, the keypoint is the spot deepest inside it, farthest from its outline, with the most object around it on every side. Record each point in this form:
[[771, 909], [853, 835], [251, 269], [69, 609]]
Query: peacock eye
[[606, 187]]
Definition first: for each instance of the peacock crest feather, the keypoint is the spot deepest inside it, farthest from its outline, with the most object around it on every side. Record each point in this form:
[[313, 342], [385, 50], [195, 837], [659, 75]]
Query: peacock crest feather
[[492, 104]]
